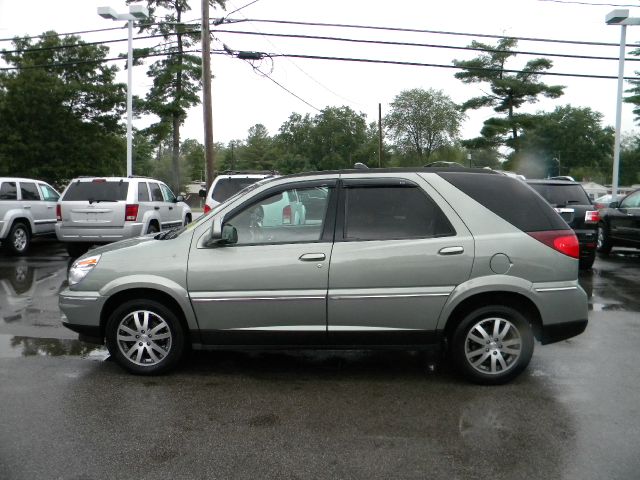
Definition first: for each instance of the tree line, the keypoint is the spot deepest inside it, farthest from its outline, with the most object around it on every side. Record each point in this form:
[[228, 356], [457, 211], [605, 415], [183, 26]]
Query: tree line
[[61, 115]]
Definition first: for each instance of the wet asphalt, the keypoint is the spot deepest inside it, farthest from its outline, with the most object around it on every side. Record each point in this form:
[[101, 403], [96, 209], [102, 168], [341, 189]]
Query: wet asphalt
[[68, 412]]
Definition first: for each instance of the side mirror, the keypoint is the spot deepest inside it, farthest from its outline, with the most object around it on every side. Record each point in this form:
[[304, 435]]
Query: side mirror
[[614, 204], [229, 235], [179, 198], [202, 193]]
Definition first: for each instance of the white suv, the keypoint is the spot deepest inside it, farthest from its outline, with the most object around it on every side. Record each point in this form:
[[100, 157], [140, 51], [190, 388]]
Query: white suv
[[27, 209], [107, 209], [228, 184]]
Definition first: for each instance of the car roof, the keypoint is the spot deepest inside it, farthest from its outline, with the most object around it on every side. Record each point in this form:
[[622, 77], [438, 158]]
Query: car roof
[[17, 179], [549, 181], [371, 171], [113, 179]]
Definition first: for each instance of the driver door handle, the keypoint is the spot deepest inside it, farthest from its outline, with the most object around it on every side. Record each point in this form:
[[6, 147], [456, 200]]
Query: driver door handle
[[451, 251], [312, 257]]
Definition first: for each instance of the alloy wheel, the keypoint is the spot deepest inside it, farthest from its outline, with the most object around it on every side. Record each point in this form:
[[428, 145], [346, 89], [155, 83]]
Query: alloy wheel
[[144, 338], [20, 239], [493, 346]]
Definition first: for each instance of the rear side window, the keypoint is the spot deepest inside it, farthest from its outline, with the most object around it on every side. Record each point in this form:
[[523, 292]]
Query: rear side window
[[226, 187], [48, 193], [96, 191], [143, 192], [509, 198], [8, 191], [560, 195], [392, 212], [29, 191], [156, 193]]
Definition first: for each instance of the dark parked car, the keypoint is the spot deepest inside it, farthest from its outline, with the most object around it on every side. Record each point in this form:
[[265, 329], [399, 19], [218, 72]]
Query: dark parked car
[[573, 204], [619, 224]]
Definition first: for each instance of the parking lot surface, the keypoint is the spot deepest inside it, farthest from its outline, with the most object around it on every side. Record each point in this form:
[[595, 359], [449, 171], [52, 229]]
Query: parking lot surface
[[69, 412]]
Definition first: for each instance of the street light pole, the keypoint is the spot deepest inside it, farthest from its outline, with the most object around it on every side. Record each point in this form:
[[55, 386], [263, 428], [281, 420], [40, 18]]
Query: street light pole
[[136, 12], [619, 17]]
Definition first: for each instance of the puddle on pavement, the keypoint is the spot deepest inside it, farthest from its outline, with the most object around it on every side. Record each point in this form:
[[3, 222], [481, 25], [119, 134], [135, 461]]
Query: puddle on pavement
[[12, 346]]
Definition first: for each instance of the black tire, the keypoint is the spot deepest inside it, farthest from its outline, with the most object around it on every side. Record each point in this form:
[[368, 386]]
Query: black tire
[[187, 220], [152, 228], [497, 362], [587, 262], [76, 250], [604, 244], [19, 239], [145, 354]]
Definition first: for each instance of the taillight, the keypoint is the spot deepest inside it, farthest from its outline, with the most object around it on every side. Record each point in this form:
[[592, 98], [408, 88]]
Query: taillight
[[563, 241], [592, 216], [207, 208], [286, 215], [58, 213], [131, 213]]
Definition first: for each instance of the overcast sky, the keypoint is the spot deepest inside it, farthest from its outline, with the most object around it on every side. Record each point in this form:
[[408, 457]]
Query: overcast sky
[[243, 97]]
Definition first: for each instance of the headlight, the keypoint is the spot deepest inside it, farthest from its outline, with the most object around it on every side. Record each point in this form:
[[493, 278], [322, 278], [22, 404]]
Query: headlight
[[81, 268]]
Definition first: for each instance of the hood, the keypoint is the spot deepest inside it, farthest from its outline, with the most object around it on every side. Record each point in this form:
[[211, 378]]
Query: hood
[[131, 242]]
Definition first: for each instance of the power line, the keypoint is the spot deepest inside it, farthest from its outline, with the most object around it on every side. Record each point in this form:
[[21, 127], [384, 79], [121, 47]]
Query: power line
[[428, 45], [589, 4], [438, 32], [243, 7]]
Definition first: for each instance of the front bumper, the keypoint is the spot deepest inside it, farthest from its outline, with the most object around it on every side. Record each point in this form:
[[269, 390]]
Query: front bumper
[[82, 313]]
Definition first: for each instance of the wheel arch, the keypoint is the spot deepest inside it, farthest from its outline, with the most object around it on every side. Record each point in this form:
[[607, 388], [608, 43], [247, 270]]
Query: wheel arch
[[514, 300], [118, 298]]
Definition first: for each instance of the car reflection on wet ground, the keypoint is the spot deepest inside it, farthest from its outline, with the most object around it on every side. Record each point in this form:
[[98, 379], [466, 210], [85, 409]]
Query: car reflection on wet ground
[[573, 414]]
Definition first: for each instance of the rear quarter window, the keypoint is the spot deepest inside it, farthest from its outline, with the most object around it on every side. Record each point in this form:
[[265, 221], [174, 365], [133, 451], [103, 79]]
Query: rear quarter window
[[509, 198], [96, 191], [8, 191]]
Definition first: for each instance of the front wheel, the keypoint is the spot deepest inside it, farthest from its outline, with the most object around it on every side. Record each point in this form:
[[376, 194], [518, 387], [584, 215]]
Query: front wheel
[[604, 241], [492, 344], [145, 337]]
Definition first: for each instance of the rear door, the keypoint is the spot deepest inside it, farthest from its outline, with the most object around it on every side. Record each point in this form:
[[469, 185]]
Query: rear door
[[31, 201], [49, 199], [396, 259], [95, 203]]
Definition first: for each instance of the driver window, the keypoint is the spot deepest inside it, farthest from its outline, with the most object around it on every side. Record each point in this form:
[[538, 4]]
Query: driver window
[[290, 216], [632, 201]]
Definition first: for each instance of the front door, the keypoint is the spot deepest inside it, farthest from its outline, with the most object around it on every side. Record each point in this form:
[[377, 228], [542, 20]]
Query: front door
[[271, 286], [396, 260], [625, 222]]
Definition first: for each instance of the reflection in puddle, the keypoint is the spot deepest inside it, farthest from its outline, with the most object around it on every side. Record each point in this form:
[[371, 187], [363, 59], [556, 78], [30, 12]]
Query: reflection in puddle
[[14, 346]]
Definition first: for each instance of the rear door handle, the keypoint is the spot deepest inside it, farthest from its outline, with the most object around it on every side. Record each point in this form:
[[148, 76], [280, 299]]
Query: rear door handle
[[451, 251], [26, 206], [170, 208], [312, 257], [156, 208]]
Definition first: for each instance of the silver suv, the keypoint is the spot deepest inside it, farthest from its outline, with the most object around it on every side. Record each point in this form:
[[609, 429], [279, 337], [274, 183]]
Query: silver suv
[[94, 210], [27, 209], [473, 262]]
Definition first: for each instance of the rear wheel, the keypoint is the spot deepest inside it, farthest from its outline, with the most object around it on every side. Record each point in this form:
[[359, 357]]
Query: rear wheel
[[153, 228], [145, 337], [587, 262], [492, 344], [604, 240], [19, 239], [187, 220]]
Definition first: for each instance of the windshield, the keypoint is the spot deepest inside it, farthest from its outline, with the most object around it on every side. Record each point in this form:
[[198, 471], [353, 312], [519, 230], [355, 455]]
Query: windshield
[[97, 191], [225, 188], [558, 194]]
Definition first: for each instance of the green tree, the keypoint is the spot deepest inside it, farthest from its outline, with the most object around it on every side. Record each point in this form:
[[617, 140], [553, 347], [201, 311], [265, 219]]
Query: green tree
[[567, 141], [193, 152], [257, 153], [176, 76], [423, 121], [60, 110], [508, 91]]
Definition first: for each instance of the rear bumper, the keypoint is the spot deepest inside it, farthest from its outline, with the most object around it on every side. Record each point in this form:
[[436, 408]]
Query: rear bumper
[[587, 238], [98, 234], [562, 331]]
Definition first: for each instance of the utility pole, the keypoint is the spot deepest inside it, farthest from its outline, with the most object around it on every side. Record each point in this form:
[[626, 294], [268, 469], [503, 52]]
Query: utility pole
[[380, 135], [209, 152]]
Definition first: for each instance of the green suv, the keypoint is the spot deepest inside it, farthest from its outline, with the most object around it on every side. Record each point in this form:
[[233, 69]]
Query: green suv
[[470, 261]]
